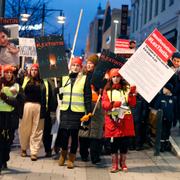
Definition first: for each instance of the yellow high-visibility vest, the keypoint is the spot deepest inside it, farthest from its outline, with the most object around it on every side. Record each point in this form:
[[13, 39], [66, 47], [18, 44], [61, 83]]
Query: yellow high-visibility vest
[[76, 97], [7, 90], [26, 80], [118, 95]]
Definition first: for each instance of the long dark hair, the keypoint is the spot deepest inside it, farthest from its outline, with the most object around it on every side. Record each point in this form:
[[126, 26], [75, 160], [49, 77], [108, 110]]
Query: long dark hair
[[4, 82], [109, 84]]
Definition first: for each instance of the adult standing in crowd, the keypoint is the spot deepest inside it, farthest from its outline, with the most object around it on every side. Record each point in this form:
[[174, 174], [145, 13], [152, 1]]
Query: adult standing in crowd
[[32, 123], [93, 129], [76, 101], [11, 104], [50, 117], [116, 100], [175, 81]]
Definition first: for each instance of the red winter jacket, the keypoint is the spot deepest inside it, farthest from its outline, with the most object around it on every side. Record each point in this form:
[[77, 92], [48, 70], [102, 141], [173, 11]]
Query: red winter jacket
[[118, 129]]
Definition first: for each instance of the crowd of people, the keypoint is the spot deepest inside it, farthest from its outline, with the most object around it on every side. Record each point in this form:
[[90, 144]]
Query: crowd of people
[[114, 116]]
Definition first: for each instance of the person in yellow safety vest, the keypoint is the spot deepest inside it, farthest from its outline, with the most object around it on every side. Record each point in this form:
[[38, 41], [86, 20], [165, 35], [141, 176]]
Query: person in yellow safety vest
[[117, 99], [36, 103], [11, 103], [76, 102]]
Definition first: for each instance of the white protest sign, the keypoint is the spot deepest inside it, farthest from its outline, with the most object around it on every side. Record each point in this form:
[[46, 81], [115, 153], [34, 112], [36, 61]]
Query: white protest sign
[[27, 47], [147, 68]]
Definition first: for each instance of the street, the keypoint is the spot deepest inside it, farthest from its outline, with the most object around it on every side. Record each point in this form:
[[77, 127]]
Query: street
[[141, 164]]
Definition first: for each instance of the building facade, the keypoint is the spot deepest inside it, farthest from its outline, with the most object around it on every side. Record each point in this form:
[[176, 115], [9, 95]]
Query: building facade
[[118, 27], [95, 32], [161, 14]]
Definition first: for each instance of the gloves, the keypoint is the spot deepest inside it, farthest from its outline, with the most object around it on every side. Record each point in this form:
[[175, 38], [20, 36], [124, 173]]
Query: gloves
[[116, 104], [132, 89], [3, 96], [86, 117], [53, 117]]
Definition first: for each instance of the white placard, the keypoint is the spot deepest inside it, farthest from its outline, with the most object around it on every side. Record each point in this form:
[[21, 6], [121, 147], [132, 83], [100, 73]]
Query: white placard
[[147, 67], [27, 47]]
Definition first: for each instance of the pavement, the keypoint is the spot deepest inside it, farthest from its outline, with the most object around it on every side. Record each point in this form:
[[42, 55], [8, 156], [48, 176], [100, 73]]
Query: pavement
[[142, 165], [175, 140]]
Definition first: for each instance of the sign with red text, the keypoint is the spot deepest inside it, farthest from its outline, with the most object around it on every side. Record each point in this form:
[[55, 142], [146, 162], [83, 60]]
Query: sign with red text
[[125, 47], [51, 56], [106, 61], [147, 68], [5, 21]]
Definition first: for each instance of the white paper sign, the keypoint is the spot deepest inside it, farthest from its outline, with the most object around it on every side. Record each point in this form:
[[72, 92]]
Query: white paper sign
[[27, 47], [147, 67]]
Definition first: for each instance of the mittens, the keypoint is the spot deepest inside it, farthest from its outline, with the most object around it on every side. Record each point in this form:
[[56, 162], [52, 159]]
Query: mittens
[[86, 117]]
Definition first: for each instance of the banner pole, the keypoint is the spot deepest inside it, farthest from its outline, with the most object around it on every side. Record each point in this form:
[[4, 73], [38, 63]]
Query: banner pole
[[23, 62], [76, 34]]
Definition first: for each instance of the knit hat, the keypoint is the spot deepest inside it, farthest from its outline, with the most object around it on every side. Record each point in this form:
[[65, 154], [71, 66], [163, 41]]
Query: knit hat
[[93, 58], [76, 60], [114, 72], [169, 86], [35, 66], [8, 68]]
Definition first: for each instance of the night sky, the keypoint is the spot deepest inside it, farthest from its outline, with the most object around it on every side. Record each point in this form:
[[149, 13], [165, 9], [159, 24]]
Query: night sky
[[71, 9]]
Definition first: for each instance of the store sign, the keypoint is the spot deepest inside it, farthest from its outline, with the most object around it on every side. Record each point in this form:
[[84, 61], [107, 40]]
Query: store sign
[[124, 19], [35, 27]]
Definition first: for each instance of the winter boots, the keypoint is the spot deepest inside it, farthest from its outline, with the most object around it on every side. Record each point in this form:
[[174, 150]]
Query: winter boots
[[62, 158], [23, 153], [114, 163], [70, 162], [123, 162], [165, 145]]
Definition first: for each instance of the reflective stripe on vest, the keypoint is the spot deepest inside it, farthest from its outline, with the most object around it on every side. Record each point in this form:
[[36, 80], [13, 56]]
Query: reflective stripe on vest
[[26, 80], [117, 95], [7, 90], [77, 95]]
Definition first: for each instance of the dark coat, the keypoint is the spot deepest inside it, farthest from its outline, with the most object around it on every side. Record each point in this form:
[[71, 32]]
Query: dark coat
[[36, 94], [167, 104]]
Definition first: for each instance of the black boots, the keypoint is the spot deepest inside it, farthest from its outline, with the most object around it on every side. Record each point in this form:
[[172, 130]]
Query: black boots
[[165, 146]]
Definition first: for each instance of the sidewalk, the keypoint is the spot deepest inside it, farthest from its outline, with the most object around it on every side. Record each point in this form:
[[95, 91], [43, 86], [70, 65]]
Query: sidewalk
[[175, 140], [143, 165]]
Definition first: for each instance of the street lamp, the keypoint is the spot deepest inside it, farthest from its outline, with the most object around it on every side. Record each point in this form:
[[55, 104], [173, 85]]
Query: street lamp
[[61, 18], [116, 22], [25, 17]]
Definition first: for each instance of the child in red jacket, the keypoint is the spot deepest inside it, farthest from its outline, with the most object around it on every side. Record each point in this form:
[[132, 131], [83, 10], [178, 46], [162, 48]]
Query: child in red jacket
[[116, 101]]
